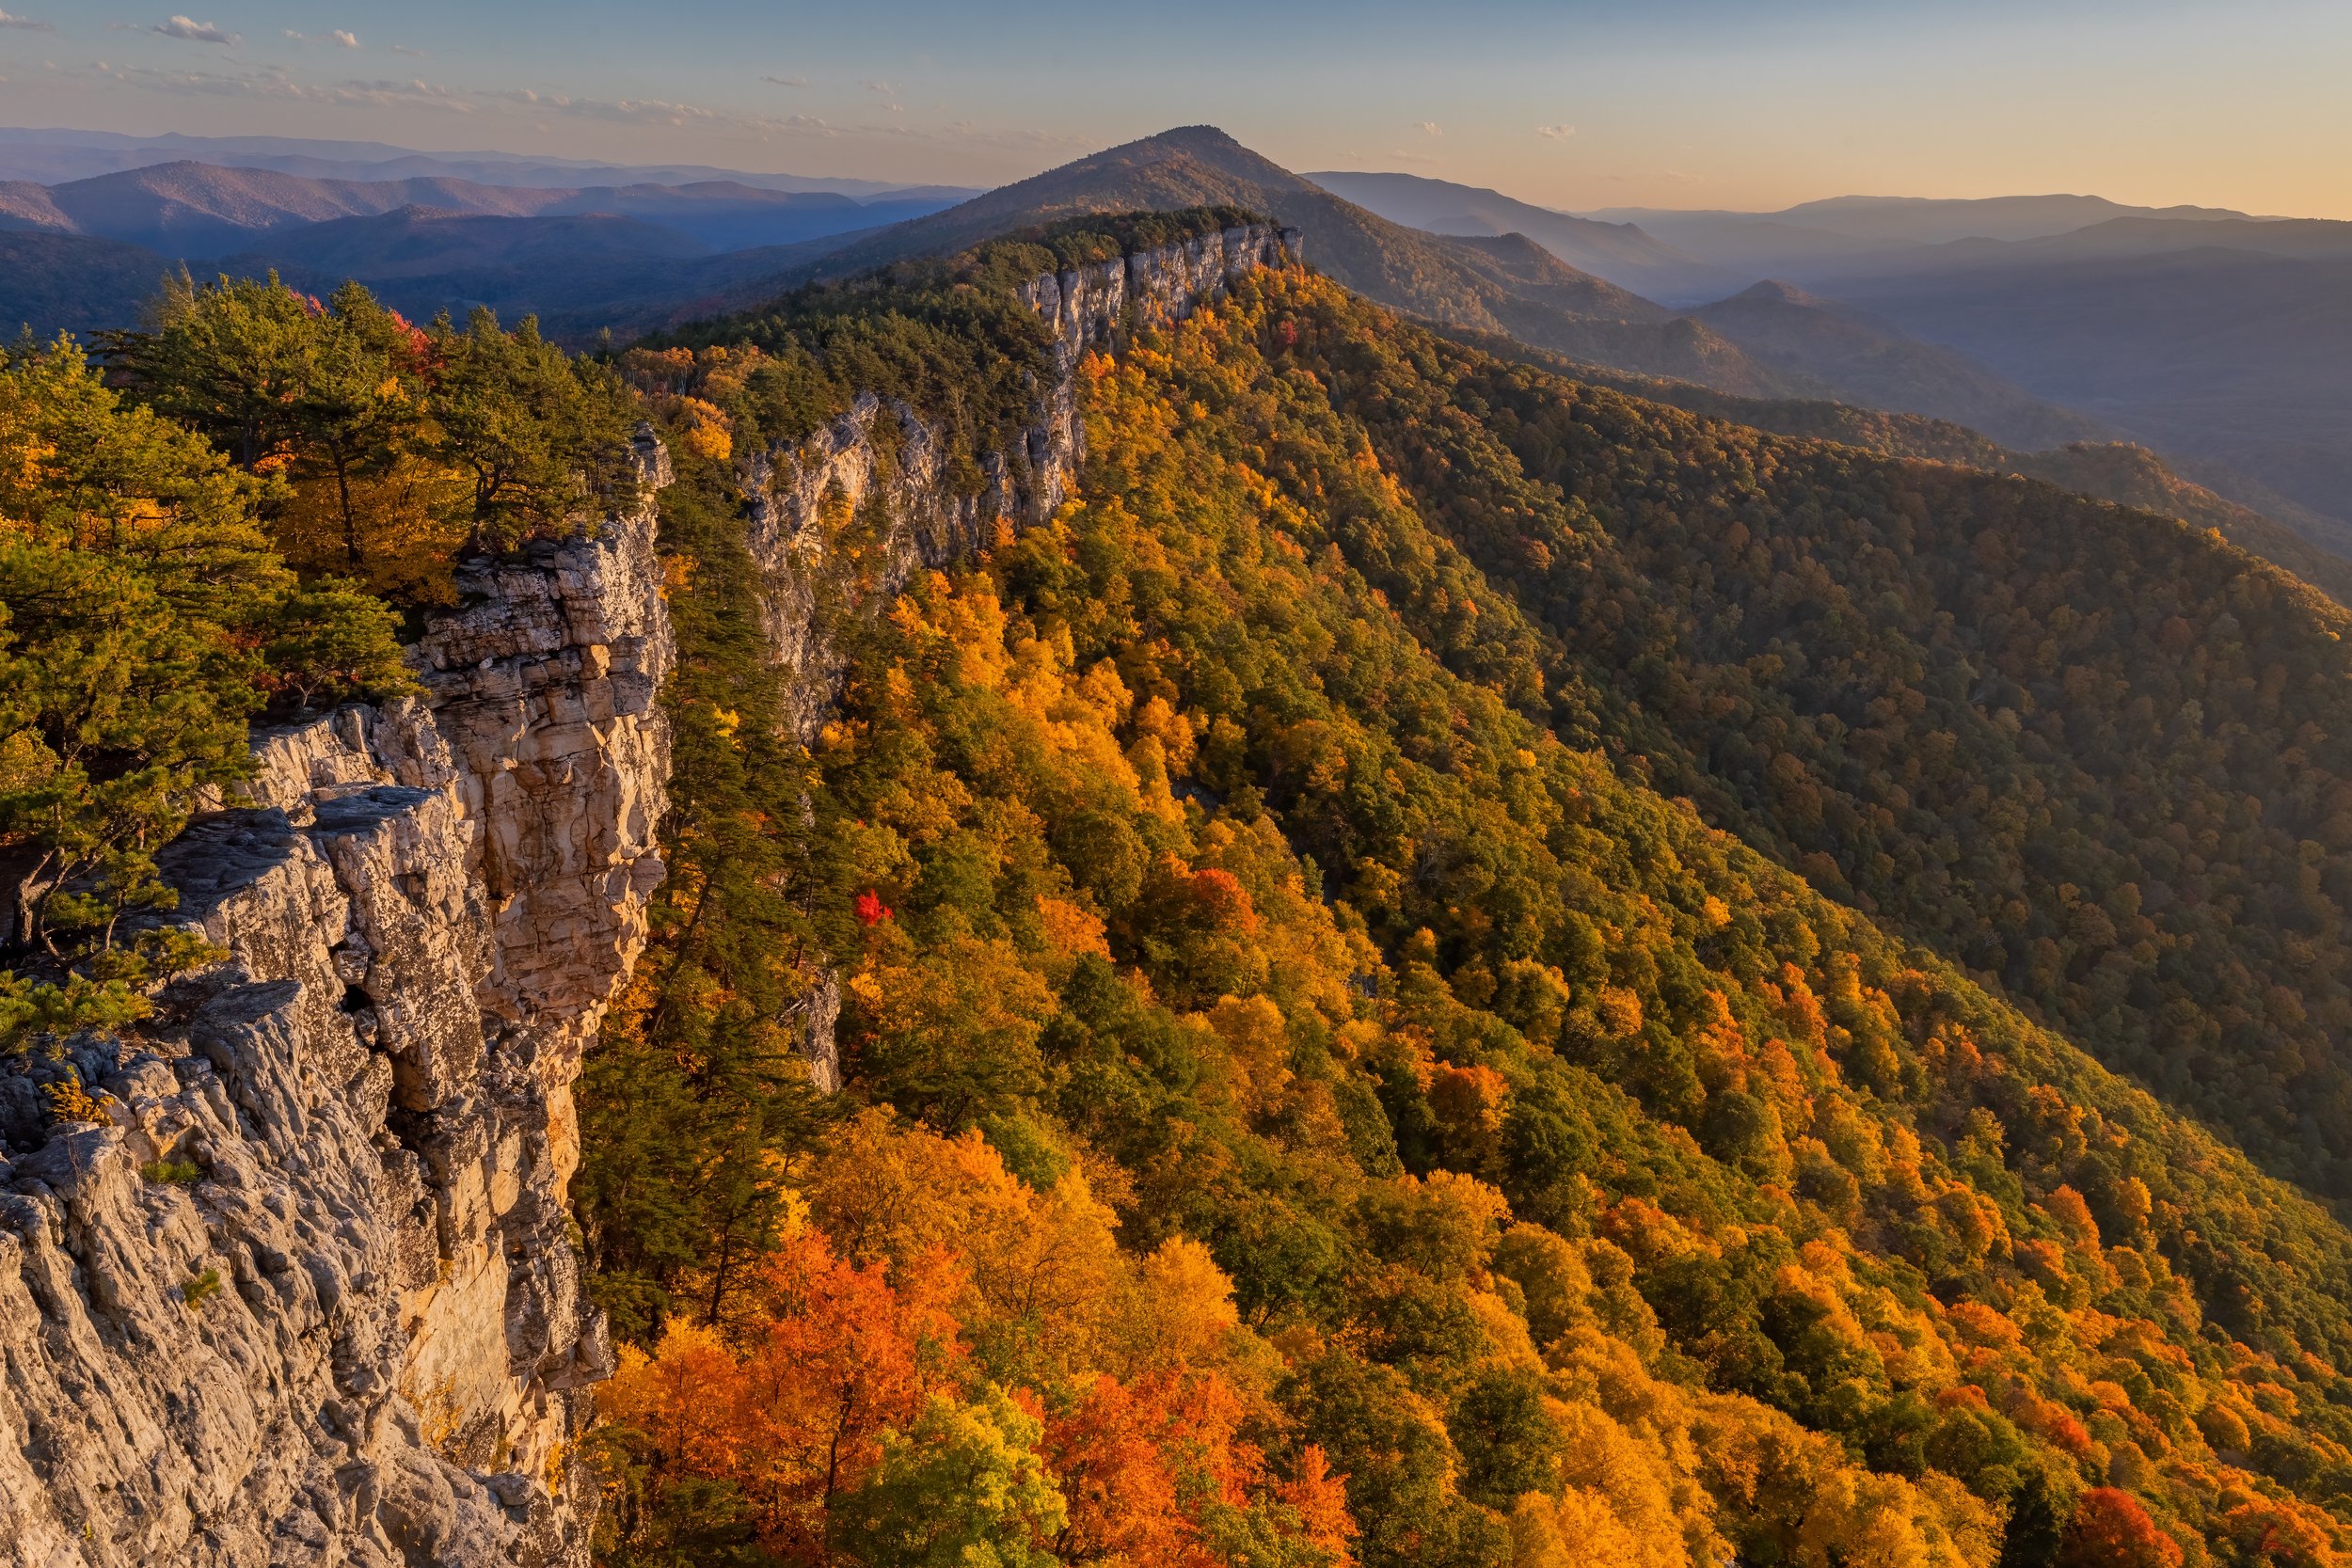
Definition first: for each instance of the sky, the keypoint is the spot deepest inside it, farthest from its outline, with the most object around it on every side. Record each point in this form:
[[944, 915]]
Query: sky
[[1578, 104]]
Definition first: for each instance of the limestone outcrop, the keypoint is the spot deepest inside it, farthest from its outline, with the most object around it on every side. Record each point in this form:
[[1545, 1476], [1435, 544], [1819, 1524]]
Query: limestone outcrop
[[301, 1288], [886, 464], [882, 472]]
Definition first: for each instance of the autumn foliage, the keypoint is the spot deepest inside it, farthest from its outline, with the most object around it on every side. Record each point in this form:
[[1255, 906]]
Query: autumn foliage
[[2111, 1529], [1312, 1100]]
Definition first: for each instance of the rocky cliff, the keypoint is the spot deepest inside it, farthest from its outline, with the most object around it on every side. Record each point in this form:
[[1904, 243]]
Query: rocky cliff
[[886, 469], [842, 520], [298, 1287]]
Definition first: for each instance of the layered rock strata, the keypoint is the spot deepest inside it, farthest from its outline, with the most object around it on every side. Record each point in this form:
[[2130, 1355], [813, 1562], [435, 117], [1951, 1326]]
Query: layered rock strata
[[301, 1288]]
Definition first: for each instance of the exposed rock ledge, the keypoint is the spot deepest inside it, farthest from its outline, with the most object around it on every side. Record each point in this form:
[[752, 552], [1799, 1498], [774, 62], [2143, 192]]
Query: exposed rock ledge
[[926, 521], [356, 1336], [889, 464]]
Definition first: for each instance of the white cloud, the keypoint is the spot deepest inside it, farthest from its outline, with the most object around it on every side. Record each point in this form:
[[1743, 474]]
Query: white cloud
[[278, 83], [1429, 128], [786, 81], [340, 39], [1556, 133], [25, 24], [412, 53], [194, 32], [277, 86], [886, 88]]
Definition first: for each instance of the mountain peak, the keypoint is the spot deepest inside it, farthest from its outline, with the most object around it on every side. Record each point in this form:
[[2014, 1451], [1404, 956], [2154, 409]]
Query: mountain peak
[[1778, 291]]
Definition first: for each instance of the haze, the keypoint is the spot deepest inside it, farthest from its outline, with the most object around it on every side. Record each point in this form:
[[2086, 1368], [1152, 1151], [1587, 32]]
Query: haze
[[1580, 105]]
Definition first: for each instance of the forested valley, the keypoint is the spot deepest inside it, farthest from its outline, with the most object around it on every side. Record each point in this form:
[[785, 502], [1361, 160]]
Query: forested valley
[[1444, 966]]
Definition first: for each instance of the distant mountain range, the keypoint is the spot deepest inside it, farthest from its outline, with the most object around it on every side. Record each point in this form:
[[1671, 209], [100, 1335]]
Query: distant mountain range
[[2219, 337], [1867, 230], [53, 156], [1623, 253], [1856, 358], [2044, 323], [85, 252], [196, 210], [1507, 283]]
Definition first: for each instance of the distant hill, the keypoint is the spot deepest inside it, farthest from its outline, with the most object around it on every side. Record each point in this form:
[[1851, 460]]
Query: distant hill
[[579, 274], [2314, 547], [1855, 358], [424, 242], [1814, 347], [2305, 239], [2221, 339], [203, 210], [1848, 235], [2221, 356], [52, 283], [1620, 252], [1516, 287], [199, 209], [51, 156], [1926, 220], [84, 254]]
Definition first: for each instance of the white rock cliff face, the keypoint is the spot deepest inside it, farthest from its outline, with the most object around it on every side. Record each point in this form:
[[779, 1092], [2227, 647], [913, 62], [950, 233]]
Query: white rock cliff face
[[886, 463], [337, 1318]]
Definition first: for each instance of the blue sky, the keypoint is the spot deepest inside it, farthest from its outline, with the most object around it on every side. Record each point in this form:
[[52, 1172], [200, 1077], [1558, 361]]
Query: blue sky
[[1676, 102]]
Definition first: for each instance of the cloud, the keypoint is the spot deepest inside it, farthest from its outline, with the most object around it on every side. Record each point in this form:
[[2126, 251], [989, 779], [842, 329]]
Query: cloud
[[415, 93], [194, 32], [412, 53], [1429, 128], [1400, 155], [278, 83], [340, 39], [1556, 133], [786, 81], [652, 111], [25, 24], [886, 88], [277, 87]]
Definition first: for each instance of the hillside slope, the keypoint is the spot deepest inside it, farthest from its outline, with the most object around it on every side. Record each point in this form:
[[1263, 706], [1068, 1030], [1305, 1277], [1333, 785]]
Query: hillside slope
[[1999, 715], [1620, 252], [2310, 546], [52, 283], [1307, 1098], [1849, 355]]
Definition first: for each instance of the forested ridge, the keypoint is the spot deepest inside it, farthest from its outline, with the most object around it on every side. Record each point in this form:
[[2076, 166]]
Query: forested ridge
[[1310, 1101], [1444, 967], [2130, 475], [2099, 759]]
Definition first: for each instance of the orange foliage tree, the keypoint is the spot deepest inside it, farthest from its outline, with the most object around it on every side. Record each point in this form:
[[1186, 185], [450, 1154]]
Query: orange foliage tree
[[2111, 1530]]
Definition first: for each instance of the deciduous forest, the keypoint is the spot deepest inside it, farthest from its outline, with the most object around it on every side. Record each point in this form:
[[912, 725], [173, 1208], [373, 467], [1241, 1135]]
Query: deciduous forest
[[1445, 966]]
